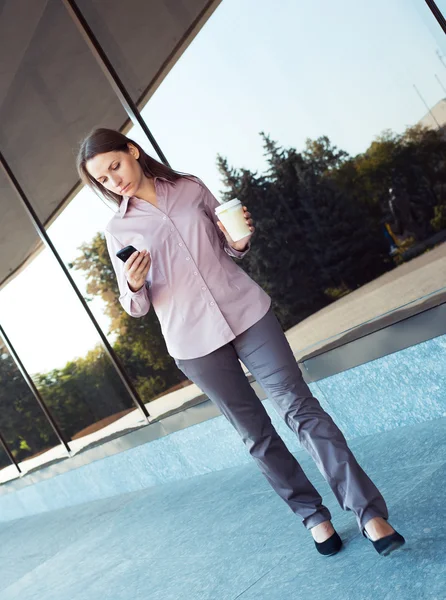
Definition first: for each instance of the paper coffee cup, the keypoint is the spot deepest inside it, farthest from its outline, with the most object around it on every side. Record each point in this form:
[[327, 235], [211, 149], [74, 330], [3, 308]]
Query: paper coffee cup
[[232, 215]]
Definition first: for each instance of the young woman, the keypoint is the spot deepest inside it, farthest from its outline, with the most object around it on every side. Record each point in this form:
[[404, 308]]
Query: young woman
[[212, 314]]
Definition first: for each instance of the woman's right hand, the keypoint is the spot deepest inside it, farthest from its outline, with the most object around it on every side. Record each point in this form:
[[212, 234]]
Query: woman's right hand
[[136, 268]]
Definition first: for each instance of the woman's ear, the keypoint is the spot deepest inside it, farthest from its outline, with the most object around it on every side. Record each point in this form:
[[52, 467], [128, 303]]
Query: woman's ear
[[133, 151]]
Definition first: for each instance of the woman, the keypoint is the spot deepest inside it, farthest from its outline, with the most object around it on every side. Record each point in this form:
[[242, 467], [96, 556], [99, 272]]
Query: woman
[[212, 314]]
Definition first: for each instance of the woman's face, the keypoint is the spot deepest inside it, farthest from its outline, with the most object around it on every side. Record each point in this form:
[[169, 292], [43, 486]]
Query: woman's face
[[117, 171]]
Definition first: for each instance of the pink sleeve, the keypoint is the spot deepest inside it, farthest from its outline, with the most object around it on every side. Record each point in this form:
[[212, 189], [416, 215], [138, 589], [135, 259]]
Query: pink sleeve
[[136, 304]]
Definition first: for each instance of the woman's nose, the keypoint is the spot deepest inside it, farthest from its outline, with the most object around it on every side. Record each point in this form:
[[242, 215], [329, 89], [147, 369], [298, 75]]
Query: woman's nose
[[116, 181]]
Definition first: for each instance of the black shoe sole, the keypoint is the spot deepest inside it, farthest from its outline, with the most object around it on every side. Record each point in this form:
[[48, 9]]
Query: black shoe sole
[[393, 546], [333, 553], [388, 544]]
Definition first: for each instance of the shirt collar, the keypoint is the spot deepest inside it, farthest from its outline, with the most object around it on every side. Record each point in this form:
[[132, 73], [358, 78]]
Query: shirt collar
[[125, 199]]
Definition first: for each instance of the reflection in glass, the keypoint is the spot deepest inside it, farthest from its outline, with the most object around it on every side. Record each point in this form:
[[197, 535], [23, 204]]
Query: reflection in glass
[[84, 392], [22, 422], [4, 459], [322, 133]]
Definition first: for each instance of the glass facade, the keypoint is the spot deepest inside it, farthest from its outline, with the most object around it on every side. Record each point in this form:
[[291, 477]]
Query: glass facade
[[334, 141], [328, 124]]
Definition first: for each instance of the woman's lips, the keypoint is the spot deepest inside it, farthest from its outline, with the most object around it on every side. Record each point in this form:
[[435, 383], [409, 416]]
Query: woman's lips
[[125, 189]]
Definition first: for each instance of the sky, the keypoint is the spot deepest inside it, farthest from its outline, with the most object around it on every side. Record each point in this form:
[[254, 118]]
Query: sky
[[295, 70]]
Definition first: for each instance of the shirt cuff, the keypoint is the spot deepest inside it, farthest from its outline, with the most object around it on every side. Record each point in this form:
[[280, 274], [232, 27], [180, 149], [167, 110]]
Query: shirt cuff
[[239, 253]]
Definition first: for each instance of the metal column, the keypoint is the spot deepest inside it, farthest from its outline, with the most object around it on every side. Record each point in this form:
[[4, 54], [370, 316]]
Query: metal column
[[437, 14]]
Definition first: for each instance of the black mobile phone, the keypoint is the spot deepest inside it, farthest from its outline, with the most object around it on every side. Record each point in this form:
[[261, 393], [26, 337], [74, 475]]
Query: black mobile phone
[[125, 253]]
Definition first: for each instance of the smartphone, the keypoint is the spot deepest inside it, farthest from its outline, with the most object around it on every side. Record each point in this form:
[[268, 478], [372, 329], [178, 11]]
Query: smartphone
[[125, 253]]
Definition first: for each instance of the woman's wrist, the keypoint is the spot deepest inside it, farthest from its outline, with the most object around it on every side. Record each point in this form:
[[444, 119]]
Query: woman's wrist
[[134, 290], [235, 247]]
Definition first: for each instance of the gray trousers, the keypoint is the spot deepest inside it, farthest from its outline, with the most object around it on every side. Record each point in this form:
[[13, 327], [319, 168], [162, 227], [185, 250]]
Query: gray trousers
[[265, 351]]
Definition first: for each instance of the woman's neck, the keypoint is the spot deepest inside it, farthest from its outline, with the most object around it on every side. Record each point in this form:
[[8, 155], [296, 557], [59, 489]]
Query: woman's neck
[[147, 191]]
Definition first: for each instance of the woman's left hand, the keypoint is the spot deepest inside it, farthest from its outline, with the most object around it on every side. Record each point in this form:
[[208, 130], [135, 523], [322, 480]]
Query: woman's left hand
[[241, 244]]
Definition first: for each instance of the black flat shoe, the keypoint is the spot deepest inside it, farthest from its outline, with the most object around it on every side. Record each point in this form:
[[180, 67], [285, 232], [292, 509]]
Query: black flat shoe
[[330, 546], [388, 544]]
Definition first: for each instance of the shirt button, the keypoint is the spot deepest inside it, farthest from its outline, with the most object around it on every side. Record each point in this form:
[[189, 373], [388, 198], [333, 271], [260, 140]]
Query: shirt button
[[180, 245], [187, 257], [164, 218], [203, 288], [172, 229], [195, 273], [212, 303]]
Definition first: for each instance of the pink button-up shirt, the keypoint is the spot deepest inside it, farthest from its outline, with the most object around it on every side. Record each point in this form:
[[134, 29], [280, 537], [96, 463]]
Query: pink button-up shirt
[[202, 298]]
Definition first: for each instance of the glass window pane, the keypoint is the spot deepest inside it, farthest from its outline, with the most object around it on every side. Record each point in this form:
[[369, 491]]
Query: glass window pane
[[333, 140], [61, 350]]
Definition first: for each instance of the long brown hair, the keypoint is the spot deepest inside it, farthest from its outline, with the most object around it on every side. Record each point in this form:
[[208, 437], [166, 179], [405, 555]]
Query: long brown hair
[[109, 140]]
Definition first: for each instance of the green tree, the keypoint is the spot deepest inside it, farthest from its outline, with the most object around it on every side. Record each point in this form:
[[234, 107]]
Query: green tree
[[324, 157], [278, 260], [348, 248], [340, 243], [412, 163]]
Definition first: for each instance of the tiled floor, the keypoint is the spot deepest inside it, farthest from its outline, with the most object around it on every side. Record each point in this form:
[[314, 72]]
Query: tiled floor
[[227, 536]]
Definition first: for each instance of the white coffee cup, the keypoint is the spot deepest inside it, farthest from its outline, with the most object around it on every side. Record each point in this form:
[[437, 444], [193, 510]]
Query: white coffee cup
[[232, 215]]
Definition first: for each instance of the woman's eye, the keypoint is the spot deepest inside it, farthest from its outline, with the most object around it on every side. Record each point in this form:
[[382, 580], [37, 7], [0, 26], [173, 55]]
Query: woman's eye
[[113, 169]]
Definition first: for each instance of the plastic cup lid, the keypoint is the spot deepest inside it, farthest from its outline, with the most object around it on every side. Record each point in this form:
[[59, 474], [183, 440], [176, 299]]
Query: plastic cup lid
[[226, 205]]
